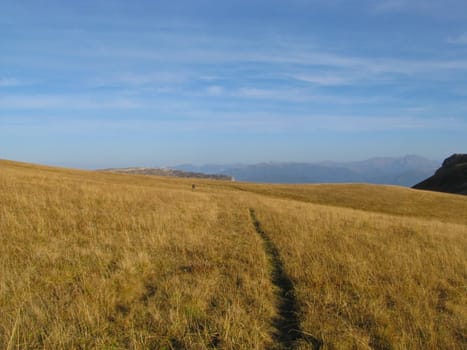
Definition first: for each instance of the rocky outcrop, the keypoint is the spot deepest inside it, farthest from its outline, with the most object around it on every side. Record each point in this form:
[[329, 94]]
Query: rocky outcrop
[[454, 160], [451, 177]]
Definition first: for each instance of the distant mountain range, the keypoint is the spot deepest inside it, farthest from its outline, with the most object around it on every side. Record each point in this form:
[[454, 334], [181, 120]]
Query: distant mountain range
[[451, 177], [403, 171]]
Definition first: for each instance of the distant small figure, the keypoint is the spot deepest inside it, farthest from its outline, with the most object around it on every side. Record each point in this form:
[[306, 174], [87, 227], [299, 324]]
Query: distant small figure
[[193, 187]]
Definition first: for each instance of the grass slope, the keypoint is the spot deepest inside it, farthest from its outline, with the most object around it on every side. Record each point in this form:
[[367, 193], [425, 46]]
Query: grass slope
[[107, 261]]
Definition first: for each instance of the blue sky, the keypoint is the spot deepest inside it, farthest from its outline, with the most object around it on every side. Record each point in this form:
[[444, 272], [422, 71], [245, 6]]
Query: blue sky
[[98, 83]]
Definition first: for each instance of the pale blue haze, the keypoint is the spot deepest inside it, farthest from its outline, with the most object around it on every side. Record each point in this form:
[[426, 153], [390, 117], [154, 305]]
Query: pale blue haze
[[99, 84]]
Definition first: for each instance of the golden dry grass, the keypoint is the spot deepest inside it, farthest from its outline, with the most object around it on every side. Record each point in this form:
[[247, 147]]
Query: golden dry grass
[[373, 198], [86, 263], [373, 281], [107, 261]]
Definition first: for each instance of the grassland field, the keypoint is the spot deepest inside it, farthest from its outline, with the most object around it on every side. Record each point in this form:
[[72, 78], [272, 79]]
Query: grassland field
[[92, 260]]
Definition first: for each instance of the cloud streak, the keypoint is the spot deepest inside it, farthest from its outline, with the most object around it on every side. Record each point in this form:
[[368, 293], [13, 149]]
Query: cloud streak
[[68, 102], [253, 122], [9, 82], [459, 40]]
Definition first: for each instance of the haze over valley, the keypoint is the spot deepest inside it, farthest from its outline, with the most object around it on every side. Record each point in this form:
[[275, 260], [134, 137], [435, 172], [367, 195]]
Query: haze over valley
[[404, 171]]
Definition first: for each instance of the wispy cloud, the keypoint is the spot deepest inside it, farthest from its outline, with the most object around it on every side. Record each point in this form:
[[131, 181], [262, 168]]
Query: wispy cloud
[[272, 94], [251, 121], [389, 5], [458, 40], [9, 82], [68, 102], [297, 96], [323, 79], [140, 79], [283, 54], [214, 90], [446, 9]]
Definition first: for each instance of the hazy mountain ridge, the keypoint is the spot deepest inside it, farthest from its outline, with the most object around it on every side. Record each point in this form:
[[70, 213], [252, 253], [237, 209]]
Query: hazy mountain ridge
[[404, 171]]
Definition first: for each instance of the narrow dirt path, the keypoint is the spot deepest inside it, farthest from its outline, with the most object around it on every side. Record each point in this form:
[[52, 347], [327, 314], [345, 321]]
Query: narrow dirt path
[[288, 333]]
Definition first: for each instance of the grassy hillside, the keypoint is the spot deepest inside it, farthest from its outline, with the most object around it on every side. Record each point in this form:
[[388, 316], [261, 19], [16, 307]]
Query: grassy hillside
[[107, 261], [383, 199], [367, 280]]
